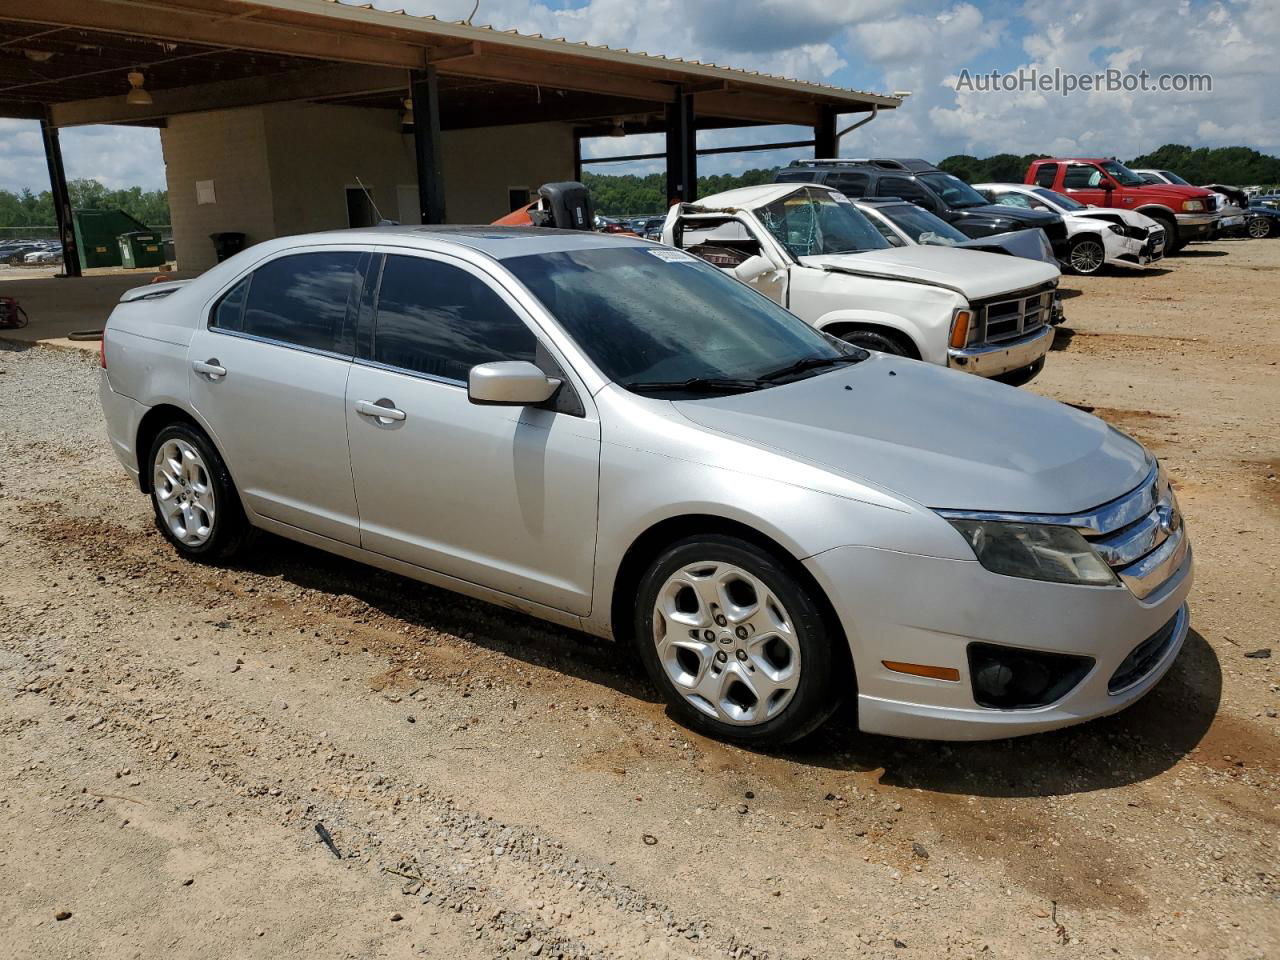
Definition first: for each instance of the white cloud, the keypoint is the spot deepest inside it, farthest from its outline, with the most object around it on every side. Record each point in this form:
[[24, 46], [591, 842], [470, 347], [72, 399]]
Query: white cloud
[[118, 156]]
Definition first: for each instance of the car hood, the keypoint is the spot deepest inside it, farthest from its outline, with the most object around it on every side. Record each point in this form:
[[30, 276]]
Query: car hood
[[1131, 217], [940, 438], [1029, 244], [973, 273], [998, 211]]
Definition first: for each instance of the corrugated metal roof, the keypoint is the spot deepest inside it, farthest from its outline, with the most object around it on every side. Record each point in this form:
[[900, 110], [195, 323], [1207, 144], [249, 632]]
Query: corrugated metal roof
[[461, 30]]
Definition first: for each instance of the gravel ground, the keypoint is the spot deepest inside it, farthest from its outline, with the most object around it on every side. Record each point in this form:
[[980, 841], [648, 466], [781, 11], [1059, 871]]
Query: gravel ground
[[171, 735]]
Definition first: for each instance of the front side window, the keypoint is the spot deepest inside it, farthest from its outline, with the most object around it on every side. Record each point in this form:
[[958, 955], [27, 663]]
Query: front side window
[[954, 192], [1122, 174], [814, 222], [1172, 177], [1013, 200], [903, 189], [302, 299], [650, 314], [229, 313], [438, 319]]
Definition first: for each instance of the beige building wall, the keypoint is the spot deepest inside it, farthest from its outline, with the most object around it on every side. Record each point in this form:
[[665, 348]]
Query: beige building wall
[[284, 168], [227, 148]]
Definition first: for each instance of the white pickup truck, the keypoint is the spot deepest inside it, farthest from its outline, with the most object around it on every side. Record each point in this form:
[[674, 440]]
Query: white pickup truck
[[807, 248]]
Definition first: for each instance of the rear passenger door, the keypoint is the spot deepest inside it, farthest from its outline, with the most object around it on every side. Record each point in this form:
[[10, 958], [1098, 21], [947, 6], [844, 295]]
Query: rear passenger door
[[268, 374], [500, 496]]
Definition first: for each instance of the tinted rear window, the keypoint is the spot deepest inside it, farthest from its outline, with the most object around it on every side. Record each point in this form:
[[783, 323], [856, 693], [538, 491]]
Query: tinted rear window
[[1046, 173], [302, 299]]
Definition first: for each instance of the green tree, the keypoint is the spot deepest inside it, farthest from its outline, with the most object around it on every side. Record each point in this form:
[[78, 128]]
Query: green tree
[[28, 209]]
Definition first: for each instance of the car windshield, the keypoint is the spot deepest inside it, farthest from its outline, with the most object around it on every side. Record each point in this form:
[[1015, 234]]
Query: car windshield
[[812, 222], [1059, 200], [657, 319], [1174, 178], [953, 191], [1122, 174], [917, 223]]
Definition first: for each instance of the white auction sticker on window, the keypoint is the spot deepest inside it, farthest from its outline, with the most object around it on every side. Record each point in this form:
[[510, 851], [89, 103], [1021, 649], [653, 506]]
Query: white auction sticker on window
[[673, 256], [840, 198]]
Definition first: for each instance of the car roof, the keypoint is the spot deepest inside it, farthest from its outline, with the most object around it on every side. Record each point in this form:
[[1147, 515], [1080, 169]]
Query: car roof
[[498, 242], [751, 197]]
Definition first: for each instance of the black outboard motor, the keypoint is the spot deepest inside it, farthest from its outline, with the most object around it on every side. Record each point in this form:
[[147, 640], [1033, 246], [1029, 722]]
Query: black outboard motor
[[566, 206]]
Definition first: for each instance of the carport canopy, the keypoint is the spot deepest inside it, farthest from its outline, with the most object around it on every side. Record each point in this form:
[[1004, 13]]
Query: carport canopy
[[67, 63]]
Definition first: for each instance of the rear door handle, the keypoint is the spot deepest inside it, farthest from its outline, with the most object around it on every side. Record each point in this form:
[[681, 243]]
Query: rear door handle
[[209, 368], [382, 410]]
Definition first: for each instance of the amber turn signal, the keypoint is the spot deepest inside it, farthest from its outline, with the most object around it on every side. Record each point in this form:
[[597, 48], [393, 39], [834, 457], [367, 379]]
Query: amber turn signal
[[924, 670], [960, 329]]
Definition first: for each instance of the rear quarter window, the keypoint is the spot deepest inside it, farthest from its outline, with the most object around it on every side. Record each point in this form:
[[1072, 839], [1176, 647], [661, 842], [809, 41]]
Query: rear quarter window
[[1046, 173]]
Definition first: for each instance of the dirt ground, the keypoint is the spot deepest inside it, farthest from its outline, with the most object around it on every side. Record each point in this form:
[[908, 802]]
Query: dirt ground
[[172, 735]]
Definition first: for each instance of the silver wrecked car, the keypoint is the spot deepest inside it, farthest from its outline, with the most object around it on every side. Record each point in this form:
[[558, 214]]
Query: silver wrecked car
[[615, 436]]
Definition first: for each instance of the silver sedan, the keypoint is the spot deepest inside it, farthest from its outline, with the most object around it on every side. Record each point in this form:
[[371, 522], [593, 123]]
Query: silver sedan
[[614, 436]]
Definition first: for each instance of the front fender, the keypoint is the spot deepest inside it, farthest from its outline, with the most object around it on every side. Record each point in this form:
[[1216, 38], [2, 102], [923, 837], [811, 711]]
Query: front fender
[[930, 339]]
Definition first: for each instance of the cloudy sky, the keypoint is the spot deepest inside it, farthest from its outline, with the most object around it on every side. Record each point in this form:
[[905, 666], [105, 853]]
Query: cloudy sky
[[881, 46]]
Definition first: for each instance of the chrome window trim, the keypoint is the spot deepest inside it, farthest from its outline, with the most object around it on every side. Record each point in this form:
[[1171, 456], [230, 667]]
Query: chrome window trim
[[1108, 518], [406, 372], [240, 335]]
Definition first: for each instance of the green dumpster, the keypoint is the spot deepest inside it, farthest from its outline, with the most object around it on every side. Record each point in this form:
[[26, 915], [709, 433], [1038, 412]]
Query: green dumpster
[[139, 248], [96, 235]]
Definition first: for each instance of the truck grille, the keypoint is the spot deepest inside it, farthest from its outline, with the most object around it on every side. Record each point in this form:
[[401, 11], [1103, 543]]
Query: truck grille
[[1009, 316]]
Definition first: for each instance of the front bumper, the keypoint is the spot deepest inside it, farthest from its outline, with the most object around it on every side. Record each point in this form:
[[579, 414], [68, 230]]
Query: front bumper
[[1197, 226], [953, 603], [995, 359], [1122, 251]]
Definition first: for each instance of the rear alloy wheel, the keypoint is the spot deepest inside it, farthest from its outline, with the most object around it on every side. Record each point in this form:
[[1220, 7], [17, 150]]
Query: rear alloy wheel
[[1086, 256], [735, 643], [194, 499], [1259, 227]]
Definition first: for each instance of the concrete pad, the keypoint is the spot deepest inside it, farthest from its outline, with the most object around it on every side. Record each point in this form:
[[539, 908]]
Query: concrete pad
[[59, 305]]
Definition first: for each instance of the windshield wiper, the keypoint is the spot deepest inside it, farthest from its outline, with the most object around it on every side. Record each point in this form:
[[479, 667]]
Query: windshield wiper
[[699, 385], [812, 363]]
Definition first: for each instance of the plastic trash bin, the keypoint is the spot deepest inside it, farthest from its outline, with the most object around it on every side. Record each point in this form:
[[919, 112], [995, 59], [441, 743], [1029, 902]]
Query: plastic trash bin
[[227, 244], [139, 249]]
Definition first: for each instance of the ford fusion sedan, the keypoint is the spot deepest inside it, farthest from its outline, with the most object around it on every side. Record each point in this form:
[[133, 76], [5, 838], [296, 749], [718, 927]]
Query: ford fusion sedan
[[615, 436]]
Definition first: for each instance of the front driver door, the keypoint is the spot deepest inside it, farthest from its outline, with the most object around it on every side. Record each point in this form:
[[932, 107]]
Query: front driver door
[[500, 496]]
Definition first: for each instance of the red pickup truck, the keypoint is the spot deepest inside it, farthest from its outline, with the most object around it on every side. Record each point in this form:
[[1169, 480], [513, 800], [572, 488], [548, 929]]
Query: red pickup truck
[[1186, 213]]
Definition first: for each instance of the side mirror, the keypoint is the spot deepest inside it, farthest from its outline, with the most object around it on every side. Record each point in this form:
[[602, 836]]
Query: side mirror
[[753, 268], [509, 383]]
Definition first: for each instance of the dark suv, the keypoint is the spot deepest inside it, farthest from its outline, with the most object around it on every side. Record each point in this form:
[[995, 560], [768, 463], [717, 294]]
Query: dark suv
[[923, 184]]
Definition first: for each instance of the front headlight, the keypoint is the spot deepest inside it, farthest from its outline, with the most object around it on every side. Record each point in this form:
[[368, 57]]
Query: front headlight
[[1192, 204], [1035, 551]]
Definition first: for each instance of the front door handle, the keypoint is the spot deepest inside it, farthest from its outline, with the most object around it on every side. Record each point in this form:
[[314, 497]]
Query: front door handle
[[381, 410], [209, 368]]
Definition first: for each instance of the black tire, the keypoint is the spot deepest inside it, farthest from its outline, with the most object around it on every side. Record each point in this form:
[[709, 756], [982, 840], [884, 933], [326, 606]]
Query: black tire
[[1172, 244], [821, 677], [875, 340], [1087, 256], [229, 529]]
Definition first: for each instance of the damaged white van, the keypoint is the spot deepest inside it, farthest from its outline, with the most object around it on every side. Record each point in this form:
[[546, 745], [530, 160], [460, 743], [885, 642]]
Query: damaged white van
[[806, 247]]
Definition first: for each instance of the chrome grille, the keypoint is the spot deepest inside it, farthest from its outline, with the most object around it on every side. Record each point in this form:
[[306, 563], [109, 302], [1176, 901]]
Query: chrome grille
[[1008, 317], [1140, 536]]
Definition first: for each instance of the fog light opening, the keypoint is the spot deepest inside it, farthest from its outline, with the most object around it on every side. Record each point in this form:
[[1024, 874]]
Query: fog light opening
[[1009, 678]]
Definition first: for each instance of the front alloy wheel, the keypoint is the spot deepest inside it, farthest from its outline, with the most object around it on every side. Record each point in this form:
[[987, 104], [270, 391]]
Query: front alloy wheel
[[1087, 256], [727, 643], [735, 639]]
